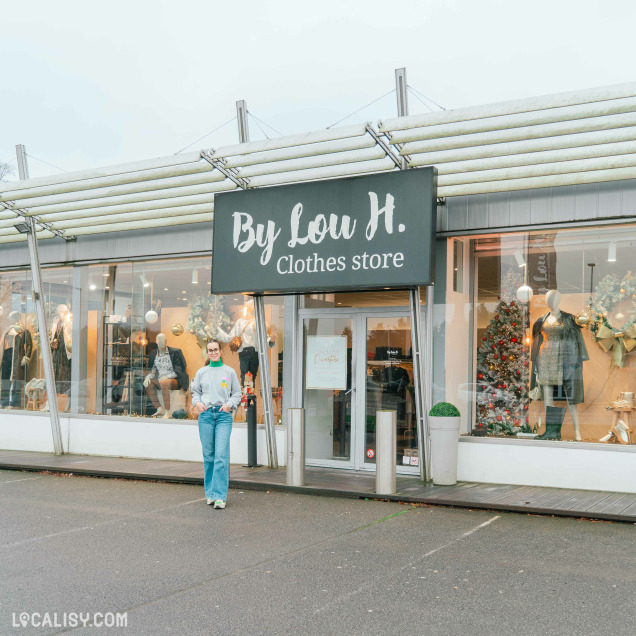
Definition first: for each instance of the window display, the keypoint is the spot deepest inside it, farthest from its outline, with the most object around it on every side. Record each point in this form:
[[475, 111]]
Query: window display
[[127, 338], [554, 354], [21, 368]]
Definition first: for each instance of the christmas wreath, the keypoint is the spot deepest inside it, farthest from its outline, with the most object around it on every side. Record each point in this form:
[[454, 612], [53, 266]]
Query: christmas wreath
[[620, 338], [207, 315]]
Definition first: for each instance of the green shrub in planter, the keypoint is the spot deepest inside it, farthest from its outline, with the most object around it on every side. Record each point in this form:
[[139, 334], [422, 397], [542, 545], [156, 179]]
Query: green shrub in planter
[[444, 409]]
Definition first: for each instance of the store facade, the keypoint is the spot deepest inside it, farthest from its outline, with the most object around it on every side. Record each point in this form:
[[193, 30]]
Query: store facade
[[530, 320]]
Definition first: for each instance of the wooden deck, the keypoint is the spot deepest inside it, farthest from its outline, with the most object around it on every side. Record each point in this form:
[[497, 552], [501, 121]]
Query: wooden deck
[[343, 483]]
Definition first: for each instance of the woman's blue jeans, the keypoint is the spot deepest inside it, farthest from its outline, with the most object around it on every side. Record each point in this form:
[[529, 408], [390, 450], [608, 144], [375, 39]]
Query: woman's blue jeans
[[215, 427]]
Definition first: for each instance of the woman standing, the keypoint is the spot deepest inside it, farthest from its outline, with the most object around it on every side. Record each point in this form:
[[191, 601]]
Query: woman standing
[[216, 393]]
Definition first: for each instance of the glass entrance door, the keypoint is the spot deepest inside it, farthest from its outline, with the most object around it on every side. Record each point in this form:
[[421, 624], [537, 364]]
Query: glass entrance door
[[329, 384], [389, 385], [362, 349]]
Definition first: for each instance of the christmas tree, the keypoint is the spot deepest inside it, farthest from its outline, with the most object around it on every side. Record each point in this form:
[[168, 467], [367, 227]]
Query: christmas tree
[[503, 368]]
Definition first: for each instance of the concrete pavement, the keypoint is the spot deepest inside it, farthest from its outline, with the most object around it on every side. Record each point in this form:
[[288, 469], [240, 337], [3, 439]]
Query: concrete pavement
[[282, 563]]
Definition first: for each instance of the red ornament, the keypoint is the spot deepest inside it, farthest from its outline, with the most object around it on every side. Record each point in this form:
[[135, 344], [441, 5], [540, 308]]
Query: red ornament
[[525, 363], [503, 386], [481, 376], [494, 395], [496, 357], [503, 357], [483, 387], [518, 372], [525, 407], [501, 342], [493, 347], [517, 422], [512, 304], [514, 324], [507, 412], [507, 311], [514, 340], [499, 418], [491, 406]]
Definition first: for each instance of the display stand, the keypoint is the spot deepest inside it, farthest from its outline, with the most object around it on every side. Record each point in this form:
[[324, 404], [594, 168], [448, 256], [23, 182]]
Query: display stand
[[125, 366]]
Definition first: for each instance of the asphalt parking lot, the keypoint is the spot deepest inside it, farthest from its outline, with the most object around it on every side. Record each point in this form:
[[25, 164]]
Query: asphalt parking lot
[[280, 563]]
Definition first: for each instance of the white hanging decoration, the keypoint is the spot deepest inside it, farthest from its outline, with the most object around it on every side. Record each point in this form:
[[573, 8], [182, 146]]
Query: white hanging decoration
[[152, 317], [524, 294]]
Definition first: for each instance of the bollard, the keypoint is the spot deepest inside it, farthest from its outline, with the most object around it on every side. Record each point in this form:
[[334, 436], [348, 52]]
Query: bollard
[[295, 447], [385, 451], [252, 460]]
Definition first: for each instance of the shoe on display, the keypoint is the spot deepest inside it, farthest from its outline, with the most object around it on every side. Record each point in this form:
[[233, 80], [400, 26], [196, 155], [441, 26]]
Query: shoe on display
[[219, 504]]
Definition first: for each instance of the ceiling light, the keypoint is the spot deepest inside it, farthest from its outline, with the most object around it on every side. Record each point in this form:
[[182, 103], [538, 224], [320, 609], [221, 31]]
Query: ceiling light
[[611, 252], [165, 289], [183, 291], [23, 228], [519, 257], [92, 286], [105, 274]]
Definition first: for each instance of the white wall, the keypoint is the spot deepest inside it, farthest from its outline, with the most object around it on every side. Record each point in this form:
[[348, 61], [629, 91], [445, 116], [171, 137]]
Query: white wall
[[532, 463], [144, 438], [555, 464]]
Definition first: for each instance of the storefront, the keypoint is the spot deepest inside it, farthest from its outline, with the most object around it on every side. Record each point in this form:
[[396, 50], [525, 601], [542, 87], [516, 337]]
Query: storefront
[[529, 323]]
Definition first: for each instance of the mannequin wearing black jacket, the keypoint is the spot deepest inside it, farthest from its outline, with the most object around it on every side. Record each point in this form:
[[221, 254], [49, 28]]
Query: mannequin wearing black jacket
[[565, 379], [167, 373]]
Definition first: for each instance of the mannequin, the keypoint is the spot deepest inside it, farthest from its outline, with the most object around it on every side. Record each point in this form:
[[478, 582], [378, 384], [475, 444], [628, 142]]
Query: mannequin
[[167, 373], [245, 328], [60, 337], [16, 346], [558, 353]]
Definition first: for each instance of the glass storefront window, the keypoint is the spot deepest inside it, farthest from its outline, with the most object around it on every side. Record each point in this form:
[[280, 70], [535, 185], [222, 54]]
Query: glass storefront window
[[108, 324], [22, 384], [553, 352], [146, 326]]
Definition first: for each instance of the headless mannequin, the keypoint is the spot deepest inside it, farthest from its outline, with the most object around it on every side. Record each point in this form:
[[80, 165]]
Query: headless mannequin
[[553, 300], [60, 338], [245, 327], [15, 353]]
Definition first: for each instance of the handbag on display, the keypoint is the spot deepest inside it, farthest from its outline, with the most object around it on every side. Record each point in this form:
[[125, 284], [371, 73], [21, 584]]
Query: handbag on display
[[536, 393], [237, 341]]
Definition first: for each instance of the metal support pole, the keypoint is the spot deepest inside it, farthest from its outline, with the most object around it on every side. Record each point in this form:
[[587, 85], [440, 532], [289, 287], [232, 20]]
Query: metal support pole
[[402, 101], [418, 380], [385, 452], [428, 365], [241, 117], [252, 449], [45, 345], [266, 383], [296, 447]]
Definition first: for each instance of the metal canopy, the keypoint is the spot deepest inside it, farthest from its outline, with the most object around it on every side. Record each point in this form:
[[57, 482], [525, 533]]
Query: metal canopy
[[565, 139]]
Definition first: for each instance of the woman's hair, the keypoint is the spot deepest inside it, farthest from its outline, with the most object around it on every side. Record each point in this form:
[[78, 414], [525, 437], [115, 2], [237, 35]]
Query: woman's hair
[[210, 341]]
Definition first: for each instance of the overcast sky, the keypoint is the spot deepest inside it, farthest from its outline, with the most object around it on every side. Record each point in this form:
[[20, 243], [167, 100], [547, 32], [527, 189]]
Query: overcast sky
[[87, 84]]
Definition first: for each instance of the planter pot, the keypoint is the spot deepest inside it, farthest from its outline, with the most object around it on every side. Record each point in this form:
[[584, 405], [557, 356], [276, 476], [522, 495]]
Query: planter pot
[[444, 447]]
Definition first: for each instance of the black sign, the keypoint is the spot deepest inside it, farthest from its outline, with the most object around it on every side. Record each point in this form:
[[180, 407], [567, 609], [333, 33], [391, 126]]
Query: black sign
[[368, 232]]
